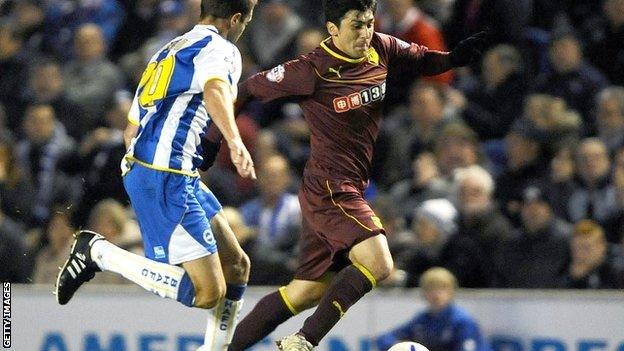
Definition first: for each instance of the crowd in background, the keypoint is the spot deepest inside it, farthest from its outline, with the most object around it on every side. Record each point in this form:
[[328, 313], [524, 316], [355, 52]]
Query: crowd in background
[[509, 173]]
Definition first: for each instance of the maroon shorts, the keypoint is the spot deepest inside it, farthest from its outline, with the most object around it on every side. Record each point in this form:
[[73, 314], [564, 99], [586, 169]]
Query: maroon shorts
[[335, 218]]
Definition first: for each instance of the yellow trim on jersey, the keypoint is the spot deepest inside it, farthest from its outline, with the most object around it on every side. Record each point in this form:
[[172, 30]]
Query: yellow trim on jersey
[[366, 273], [331, 195], [162, 169], [291, 308], [339, 56], [351, 81]]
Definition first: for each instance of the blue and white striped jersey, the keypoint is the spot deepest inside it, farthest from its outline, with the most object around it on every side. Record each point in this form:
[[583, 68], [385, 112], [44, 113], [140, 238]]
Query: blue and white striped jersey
[[168, 105]]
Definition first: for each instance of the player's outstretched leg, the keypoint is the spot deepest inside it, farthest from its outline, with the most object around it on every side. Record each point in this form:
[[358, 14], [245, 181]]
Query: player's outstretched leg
[[276, 308], [235, 264], [96, 253], [79, 267], [371, 262]]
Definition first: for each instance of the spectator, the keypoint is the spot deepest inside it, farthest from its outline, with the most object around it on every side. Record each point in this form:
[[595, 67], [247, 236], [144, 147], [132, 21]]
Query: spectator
[[16, 191], [456, 146], [434, 221], [47, 87], [223, 177], [29, 18], [538, 253], [614, 224], [480, 219], [267, 269], [610, 106], [496, 102], [444, 326], [593, 195], [404, 20], [411, 131], [424, 184], [436, 244], [275, 215], [110, 219], [97, 160], [440, 10], [594, 264], [172, 22], [138, 25], [553, 116], [37, 155], [91, 80], [272, 36], [64, 18], [308, 40], [572, 78], [608, 52], [58, 234], [526, 164], [243, 233], [506, 20], [13, 74], [13, 264]]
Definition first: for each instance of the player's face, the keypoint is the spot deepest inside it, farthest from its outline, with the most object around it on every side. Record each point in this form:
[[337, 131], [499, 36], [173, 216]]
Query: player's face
[[355, 32]]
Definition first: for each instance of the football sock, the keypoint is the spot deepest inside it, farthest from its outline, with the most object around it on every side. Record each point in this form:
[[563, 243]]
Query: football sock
[[348, 287], [223, 318], [165, 280], [271, 311]]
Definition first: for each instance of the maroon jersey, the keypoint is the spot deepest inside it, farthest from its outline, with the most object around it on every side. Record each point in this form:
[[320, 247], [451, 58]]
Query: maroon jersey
[[341, 100]]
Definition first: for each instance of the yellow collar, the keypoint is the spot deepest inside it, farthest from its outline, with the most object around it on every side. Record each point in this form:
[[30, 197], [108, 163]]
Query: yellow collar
[[339, 56]]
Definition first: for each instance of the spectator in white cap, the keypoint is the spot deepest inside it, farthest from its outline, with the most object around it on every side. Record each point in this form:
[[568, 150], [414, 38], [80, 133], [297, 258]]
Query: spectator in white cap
[[436, 244]]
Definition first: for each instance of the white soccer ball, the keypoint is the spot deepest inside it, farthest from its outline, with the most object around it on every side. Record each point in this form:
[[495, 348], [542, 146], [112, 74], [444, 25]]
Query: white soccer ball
[[408, 346]]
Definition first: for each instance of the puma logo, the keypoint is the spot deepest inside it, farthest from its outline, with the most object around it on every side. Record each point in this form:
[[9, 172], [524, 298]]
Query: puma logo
[[335, 71], [335, 303]]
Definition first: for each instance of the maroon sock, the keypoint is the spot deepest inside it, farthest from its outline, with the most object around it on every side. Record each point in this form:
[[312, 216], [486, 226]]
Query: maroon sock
[[346, 289], [268, 313]]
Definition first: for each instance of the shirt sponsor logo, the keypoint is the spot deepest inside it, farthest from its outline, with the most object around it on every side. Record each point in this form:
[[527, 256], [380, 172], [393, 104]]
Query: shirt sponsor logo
[[357, 100]]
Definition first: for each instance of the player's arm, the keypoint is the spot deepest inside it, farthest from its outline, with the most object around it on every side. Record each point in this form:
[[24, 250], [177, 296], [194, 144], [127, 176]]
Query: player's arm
[[293, 78], [436, 62], [129, 133], [133, 123], [290, 79], [220, 106]]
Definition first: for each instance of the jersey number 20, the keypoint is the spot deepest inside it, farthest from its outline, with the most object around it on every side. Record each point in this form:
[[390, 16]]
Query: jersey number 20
[[155, 81]]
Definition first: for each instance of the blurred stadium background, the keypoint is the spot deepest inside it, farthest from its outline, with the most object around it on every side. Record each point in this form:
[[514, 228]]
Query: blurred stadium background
[[536, 130]]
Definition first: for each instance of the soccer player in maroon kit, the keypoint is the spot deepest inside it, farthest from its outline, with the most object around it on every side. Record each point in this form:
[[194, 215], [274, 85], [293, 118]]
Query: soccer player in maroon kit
[[341, 87]]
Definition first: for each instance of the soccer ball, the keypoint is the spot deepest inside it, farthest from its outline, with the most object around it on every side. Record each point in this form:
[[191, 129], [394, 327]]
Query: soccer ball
[[408, 346]]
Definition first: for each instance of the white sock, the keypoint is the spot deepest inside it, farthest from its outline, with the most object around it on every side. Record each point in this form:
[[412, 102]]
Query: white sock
[[159, 278], [222, 321]]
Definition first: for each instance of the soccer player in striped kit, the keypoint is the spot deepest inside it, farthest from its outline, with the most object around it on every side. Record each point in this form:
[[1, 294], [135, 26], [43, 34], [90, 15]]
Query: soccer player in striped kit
[[188, 85]]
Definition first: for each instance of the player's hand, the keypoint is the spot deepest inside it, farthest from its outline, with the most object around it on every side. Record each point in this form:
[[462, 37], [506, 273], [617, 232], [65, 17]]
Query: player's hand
[[241, 158], [468, 49]]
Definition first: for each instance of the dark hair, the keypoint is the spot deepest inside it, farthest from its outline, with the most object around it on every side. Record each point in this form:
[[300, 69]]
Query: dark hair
[[226, 8], [335, 10]]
